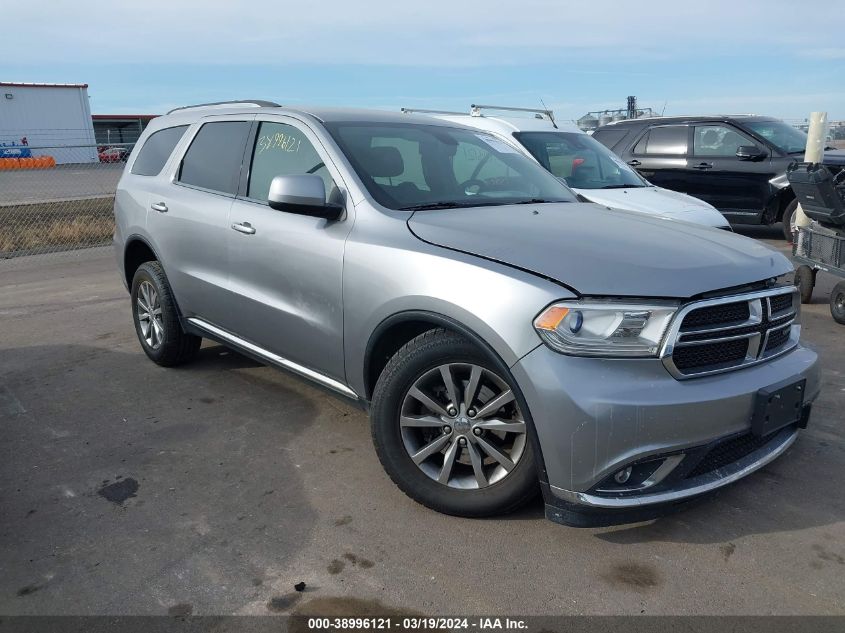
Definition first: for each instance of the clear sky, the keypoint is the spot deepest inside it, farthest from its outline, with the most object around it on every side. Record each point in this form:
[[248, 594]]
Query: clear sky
[[778, 57]]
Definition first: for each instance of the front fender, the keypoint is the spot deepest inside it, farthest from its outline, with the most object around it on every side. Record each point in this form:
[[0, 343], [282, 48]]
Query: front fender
[[496, 303]]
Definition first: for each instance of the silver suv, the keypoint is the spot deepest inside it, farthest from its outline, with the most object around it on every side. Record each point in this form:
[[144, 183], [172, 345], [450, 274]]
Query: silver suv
[[504, 337]]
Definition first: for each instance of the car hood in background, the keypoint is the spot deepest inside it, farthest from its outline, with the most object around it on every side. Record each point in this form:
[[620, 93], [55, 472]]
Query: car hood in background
[[597, 251], [657, 201]]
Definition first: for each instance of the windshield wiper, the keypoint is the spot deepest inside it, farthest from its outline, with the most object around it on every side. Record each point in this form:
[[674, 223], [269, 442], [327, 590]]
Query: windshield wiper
[[622, 186], [444, 205], [537, 201]]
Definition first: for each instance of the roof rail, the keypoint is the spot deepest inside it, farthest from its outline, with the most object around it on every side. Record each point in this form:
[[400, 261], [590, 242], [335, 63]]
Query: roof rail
[[426, 111], [257, 103], [475, 110]]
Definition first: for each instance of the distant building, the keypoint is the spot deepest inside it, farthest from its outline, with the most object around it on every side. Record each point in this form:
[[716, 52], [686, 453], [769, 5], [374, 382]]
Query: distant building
[[48, 119], [120, 129]]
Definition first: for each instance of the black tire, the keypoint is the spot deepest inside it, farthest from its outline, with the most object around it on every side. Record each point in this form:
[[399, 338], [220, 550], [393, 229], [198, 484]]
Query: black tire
[[175, 346], [837, 303], [425, 352], [805, 279], [788, 219]]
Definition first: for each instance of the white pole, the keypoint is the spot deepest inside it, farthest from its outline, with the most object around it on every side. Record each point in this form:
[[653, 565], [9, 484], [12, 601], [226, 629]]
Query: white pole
[[813, 153]]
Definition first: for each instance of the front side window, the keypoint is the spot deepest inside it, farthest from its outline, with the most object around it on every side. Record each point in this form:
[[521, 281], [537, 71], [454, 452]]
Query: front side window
[[667, 140], [717, 140], [156, 151], [580, 160], [410, 165], [786, 138], [213, 161], [282, 150]]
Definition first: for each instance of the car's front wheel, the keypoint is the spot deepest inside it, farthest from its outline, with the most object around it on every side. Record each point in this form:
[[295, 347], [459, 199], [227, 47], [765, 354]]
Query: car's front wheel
[[156, 318], [837, 303], [449, 428], [788, 222]]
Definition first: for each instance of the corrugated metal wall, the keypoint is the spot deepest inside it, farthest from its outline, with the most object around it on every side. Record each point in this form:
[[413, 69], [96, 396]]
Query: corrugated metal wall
[[56, 121]]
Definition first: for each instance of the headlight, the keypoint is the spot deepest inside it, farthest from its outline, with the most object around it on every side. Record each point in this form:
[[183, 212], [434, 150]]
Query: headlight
[[605, 328]]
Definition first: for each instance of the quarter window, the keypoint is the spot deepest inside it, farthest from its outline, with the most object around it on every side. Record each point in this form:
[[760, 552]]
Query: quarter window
[[609, 138], [157, 150], [282, 150], [213, 161], [717, 140], [668, 140]]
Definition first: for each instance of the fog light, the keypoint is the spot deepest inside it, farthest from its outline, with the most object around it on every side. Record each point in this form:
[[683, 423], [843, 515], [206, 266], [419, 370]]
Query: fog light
[[622, 476]]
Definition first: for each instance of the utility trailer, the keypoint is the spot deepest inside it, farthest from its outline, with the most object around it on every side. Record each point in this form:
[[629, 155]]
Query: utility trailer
[[820, 246]]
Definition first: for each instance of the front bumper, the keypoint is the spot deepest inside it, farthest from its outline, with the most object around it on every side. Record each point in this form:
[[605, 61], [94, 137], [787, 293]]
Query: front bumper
[[594, 417]]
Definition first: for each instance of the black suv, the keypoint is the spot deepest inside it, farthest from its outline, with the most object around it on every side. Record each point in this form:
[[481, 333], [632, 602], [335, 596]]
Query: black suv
[[736, 163]]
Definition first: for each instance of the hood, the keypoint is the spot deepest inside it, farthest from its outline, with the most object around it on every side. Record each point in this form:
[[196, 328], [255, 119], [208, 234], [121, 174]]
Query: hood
[[598, 251], [834, 157], [657, 201]]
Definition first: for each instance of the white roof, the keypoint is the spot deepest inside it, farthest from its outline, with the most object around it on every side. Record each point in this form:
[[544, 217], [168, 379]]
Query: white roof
[[506, 125]]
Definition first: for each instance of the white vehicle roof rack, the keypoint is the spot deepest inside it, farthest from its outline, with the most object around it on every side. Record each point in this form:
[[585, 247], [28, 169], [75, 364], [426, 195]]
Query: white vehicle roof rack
[[475, 110], [254, 103], [426, 111]]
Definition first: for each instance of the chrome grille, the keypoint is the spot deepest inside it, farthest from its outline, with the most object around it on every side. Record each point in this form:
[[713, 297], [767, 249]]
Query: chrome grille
[[727, 333]]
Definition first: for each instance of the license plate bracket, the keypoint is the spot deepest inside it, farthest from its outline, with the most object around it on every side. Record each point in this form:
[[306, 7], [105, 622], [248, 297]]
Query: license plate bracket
[[777, 406]]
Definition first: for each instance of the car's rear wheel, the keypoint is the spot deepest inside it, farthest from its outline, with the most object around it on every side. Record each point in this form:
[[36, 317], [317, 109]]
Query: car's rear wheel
[[450, 429], [156, 318]]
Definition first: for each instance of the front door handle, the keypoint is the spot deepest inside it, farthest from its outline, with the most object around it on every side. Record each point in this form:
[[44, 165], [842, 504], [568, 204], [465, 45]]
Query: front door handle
[[634, 163], [244, 227], [159, 206], [703, 165]]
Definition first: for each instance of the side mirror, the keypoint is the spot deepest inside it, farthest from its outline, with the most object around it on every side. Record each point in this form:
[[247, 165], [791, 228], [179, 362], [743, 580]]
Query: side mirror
[[304, 194], [750, 152]]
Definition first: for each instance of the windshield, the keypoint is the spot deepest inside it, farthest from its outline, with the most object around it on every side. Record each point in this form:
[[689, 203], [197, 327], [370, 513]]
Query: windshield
[[786, 138], [415, 166], [580, 160]]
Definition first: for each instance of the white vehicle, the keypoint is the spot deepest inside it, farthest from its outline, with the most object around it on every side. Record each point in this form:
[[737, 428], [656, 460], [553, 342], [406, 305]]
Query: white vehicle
[[593, 171]]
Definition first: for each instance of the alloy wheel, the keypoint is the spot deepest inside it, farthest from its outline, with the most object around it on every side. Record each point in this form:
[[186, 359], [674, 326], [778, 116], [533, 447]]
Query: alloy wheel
[[461, 426], [148, 309]]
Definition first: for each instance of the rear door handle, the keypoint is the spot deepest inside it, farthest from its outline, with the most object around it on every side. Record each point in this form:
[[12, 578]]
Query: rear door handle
[[159, 206], [634, 163], [244, 227], [703, 165]]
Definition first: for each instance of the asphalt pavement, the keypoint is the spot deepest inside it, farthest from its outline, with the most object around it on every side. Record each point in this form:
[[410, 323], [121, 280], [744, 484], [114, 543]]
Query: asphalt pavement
[[215, 488]]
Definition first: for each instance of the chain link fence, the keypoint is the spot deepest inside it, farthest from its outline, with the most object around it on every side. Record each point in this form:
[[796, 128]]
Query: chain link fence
[[58, 198]]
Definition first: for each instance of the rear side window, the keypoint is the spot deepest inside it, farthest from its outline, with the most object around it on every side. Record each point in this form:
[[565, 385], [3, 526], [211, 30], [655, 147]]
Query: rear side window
[[609, 138], [667, 140], [157, 150], [213, 161]]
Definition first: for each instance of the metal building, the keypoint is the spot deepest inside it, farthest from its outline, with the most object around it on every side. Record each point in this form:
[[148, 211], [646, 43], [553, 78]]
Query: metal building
[[47, 120], [123, 129]]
